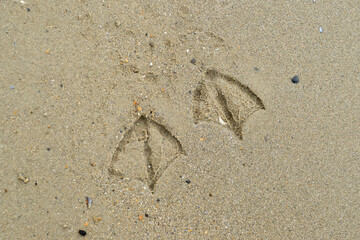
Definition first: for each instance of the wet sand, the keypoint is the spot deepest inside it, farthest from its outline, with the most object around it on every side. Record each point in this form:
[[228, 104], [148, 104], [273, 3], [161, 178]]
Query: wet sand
[[179, 119]]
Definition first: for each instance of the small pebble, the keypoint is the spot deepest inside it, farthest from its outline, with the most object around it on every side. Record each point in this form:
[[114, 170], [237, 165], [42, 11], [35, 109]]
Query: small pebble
[[88, 201], [48, 149], [23, 178], [188, 181], [28, 9], [193, 61], [295, 79], [135, 69], [12, 87], [82, 232], [320, 29], [146, 215]]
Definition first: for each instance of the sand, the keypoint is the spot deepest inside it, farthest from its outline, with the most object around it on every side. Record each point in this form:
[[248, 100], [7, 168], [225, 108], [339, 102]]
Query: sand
[[179, 119]]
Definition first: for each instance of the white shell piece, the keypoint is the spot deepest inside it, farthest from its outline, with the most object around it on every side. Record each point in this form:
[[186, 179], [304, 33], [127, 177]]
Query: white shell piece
[[222, 121]]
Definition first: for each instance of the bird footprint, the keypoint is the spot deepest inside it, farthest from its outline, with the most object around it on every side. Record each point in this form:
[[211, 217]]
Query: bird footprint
[[148, 147], [145, 152], [222, 99]]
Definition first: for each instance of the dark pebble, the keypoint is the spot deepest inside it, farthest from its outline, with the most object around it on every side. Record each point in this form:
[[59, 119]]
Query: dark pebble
[[82, 232], [158, 200], [146, 215], [193, 61], [61, 85], [295, 79], [48, 149], [256, 69], [28, 9], [188, 181]]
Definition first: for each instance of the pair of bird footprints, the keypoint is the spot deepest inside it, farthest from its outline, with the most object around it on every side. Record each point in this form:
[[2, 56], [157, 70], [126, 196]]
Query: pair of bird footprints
[[148, 148]]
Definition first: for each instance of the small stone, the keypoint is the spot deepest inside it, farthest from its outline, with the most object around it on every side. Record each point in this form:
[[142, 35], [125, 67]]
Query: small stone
[[146, 215], [88, 201], [47, 51], [48, 149], [23, 178], [193, 61], [117, 23], [28, 9], [295, 79], [82, 232], [135, 69], [188, 181]]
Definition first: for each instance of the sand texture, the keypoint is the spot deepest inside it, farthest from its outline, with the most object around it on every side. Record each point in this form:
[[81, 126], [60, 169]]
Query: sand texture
[[179, 119]]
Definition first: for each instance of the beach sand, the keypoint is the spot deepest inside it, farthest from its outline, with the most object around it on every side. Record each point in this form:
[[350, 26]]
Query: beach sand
[[179, 119]]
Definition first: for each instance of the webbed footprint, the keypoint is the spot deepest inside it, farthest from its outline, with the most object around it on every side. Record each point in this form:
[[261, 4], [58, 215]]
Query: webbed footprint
[[222, 99], [145, 152]]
